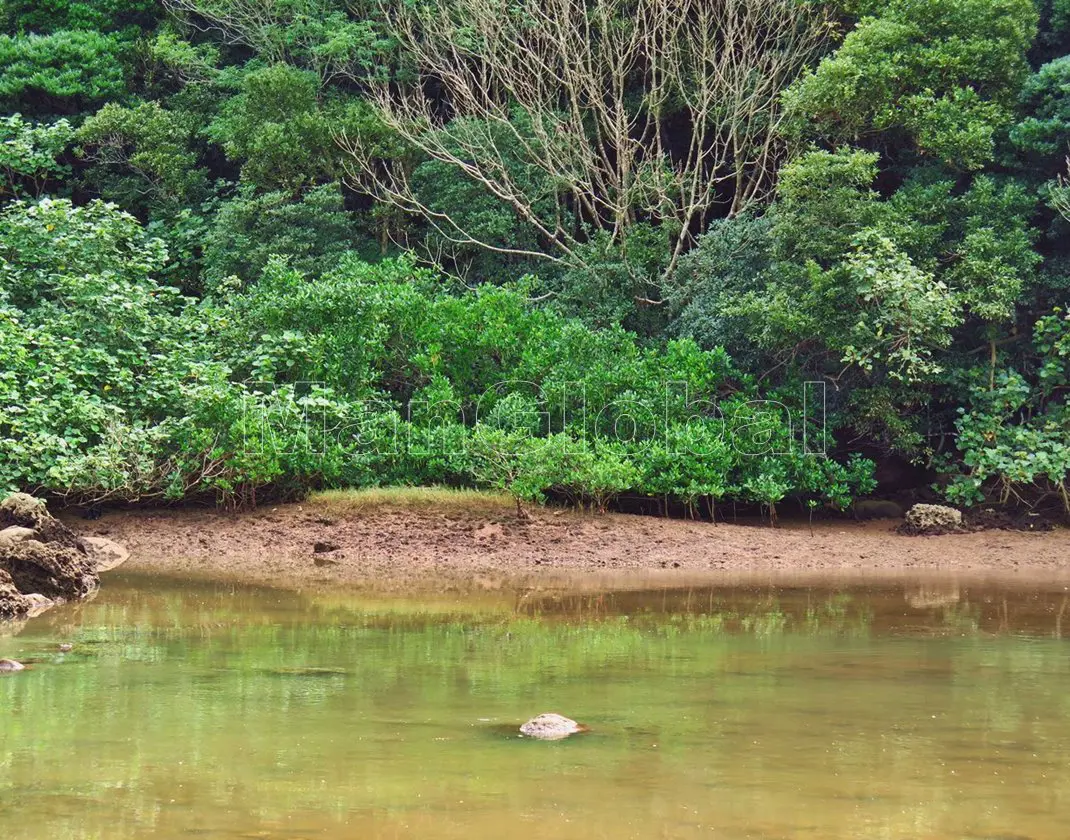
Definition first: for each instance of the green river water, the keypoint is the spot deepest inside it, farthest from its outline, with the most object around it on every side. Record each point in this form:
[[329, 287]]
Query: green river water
[[907, 712]]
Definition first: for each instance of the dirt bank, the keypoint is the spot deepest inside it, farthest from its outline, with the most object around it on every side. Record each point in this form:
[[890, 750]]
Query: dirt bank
[[321, 543]]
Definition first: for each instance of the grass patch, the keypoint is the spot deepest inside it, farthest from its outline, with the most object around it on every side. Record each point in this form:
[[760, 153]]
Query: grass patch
[[436, 498]]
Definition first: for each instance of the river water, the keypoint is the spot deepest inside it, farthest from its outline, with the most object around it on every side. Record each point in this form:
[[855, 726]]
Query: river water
[[905, 711]]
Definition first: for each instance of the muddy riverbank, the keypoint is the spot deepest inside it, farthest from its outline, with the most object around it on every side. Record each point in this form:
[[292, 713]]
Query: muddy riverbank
[[388, 544]]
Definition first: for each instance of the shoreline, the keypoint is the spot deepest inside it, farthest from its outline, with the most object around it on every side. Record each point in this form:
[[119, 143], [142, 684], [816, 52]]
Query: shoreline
[[473, 544]]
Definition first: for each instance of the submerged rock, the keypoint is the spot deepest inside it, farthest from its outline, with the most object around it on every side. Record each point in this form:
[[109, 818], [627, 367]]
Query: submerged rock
[[310, 671], [38, 603], [42, 561], [930, 596], [551, 727], [106, 554], [10, 666]]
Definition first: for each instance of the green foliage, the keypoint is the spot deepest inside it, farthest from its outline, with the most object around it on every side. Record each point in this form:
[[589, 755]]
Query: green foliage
[[446, 191], [47, 16], [979, 240], [248, 229], [565, 350], [1043, 135], [692, 462], [31, 154], [585, 472], [280, 129], [113, 384], [555, 407], [1053, 39], [977, 245], [503, 449], [329, 37], [142, 155], [903, 313], [1012, 434], [64, 72], [994, 260], [870, 291], [148, 402], [170, 63], [732, 259], [81, 319], [47, 244], [825, 200], [946, 72], [467, 227], [615, 275]]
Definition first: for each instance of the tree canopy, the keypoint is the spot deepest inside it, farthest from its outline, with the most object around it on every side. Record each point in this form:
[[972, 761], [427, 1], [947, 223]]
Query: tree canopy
[[568, 248]]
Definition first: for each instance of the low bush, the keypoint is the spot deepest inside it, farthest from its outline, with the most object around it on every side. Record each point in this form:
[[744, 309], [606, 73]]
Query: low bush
[[114, 385]]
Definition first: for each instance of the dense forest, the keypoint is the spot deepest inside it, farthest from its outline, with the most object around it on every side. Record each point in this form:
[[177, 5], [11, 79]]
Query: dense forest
[[695, 250]]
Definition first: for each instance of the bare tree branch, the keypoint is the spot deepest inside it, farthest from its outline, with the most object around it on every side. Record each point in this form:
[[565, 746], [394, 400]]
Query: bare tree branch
[[611, 111], [1060, 195]]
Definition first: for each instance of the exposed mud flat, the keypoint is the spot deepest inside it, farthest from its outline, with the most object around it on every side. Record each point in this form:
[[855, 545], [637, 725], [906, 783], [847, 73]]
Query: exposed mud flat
[[396, 546]]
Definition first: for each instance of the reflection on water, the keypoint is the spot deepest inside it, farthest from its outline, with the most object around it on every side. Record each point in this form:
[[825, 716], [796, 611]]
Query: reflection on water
[[907, 712]]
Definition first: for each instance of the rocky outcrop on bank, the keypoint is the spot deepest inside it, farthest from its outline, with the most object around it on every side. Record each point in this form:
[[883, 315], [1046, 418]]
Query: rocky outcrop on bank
[[932, 520], [43, 562]]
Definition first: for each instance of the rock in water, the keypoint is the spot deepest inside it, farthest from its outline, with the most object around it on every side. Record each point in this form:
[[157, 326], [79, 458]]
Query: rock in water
[[42, 561], [49, 569], [37, 604], [551, 727], [10, 666], [106, 554], [12, 602]]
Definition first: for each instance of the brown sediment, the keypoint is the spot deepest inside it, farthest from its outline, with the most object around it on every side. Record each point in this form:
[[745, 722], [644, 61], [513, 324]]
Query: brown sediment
[[313, 544]]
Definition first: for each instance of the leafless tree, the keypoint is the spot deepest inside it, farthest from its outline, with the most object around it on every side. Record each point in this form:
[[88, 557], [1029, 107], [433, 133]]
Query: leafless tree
[[592, 114]]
